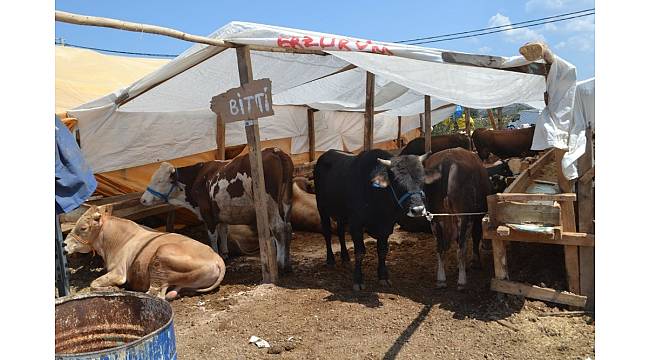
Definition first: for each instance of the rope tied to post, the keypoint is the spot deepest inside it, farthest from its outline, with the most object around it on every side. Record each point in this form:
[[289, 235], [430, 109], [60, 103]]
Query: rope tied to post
[[430, 215]]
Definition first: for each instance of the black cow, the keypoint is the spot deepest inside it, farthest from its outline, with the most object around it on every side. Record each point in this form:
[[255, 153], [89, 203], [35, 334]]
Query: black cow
[[367, 192], [497, 173]]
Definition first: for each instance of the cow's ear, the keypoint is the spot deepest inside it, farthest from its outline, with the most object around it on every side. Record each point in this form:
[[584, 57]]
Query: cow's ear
[[431, 175]]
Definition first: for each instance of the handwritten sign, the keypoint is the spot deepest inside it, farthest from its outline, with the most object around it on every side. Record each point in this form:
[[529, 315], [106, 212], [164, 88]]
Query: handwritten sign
[[251, 101]]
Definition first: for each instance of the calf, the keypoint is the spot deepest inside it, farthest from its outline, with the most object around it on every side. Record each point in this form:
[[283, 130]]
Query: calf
[[144, 260], [220, 193], [459, 184], [368, 192], [498, 172], [503, 143]]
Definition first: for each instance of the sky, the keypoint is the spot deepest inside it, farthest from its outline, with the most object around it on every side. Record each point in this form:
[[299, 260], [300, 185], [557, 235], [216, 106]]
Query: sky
[[573, 40]]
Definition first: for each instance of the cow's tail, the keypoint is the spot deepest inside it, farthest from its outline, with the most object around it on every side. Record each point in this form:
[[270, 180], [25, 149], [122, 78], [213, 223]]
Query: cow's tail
[[217, 282]]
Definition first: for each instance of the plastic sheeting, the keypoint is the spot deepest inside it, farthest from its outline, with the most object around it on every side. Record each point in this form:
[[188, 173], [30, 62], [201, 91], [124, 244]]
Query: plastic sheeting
[[559, 126], [166, 114]]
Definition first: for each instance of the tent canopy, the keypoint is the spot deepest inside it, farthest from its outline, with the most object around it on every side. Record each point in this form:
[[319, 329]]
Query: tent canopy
[[166, 114]]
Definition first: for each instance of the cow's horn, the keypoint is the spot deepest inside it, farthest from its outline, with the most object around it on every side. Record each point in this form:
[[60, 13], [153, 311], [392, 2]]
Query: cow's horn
[[423, 157], [97, 216], [384, 162]]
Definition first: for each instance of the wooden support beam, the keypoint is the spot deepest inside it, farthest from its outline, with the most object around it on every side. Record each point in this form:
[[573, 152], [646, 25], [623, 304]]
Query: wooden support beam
[[536, 292], [311, 134], [586, 208], [427, 124], [507, 212], [399, 131], [421, 124], [571, 259], [498, 246], [569, 238], [370, 112], [491, 116], [221, 139], [267, 247], [500, 117]]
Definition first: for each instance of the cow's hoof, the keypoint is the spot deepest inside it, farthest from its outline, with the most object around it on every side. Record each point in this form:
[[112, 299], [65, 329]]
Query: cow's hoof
[[385, 282], [330, 263], [461, 287], [359, 287], [475, 264], [441, 284], [171, 295], [345, 258]]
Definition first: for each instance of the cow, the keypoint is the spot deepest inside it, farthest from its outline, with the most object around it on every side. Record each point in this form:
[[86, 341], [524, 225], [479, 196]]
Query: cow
[[367, 192], [498, 172], [142, 259], [220, 193], [438, 143], [458, 184], [304, 215], [503, 143]]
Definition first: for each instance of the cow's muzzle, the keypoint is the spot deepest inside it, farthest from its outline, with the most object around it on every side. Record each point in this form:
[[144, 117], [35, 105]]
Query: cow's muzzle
[[416, 211]]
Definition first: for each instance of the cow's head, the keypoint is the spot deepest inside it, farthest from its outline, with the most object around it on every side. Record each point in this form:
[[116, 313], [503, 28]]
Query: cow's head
[[162, 186], [404, 176], [86, 230], [480, 140]]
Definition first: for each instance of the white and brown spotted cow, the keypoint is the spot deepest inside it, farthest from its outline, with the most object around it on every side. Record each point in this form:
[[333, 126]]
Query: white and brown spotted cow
[[220, 193]]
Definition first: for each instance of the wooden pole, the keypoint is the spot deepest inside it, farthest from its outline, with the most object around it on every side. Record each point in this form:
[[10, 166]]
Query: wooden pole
[[421, 124], [221, 139], [491, 116], [427, 123], [267, 248], [571, 260], [370, 112], [586, 202], [500, 117], [312, 134], [467, 122], [399, 131]]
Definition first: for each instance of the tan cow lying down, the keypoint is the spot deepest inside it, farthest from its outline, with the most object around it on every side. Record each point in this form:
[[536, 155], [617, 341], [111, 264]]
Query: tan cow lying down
[[144, 260]]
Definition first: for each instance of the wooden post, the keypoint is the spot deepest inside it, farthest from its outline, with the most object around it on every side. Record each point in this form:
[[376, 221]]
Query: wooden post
[[370, 112], [571, 260], [491, 116], [467, 121], [312, 135], [427, 123], [267, 248], [500, 117], [399, 131], [421, 124], [586, 202], [221, 139]]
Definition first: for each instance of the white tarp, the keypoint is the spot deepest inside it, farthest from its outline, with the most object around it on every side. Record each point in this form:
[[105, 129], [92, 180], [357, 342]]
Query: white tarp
[[166, 115], [558, 126]]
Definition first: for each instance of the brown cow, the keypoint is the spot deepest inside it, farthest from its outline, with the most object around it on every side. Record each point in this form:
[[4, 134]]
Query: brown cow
[[144, 260], [220, 193], [460, 185], [504, 143], [438, 143]]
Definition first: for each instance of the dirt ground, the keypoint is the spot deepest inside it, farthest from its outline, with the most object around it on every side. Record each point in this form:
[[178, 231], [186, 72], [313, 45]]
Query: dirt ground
[[314, 314]]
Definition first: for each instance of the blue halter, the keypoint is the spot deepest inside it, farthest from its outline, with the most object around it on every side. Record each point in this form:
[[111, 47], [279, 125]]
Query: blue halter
[[404, 197], [161, 196]]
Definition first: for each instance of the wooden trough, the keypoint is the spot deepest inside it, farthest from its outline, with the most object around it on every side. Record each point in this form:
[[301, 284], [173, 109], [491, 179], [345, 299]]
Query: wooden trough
[[543, 218]]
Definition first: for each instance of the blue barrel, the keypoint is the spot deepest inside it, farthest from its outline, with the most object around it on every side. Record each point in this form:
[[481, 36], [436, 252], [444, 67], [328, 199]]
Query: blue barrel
[[114, 325]]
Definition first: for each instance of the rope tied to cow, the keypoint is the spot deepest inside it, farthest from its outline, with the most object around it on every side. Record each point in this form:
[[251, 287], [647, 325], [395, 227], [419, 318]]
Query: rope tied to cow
[[430, 215]]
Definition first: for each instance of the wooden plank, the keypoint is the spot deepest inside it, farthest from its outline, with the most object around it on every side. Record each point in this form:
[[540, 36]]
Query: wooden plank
[[538, 165], [508, 212], [536, 292], [311, 134], [520, 184], [535, 197], [571, 259], [369, 122], [564, 183], [586, 208], [491, 117], [221, 139], [570, 238], [267, 248], [427, 124], [500, 117]]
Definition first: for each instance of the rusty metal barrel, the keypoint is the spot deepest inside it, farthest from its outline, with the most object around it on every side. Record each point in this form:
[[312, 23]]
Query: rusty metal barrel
[[114, 325]]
